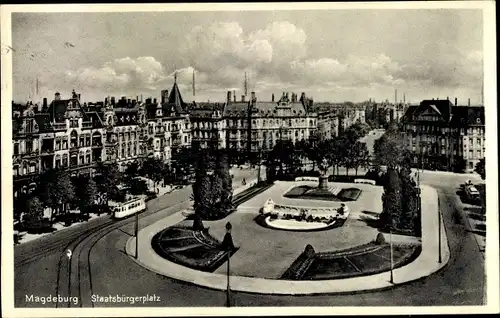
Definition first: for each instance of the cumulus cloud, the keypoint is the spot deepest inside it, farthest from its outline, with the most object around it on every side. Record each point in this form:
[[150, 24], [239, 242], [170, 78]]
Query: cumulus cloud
[[275, 57], [125, 73]]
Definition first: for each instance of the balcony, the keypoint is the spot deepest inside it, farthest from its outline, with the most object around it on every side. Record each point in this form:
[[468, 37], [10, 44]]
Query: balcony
[[97, 145], [87, 125], [176, 143], [175, 129], [47, 152], [60, 126]]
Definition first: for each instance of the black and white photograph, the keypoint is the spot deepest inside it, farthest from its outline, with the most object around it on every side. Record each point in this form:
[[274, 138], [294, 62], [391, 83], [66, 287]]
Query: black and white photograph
[[175, 159]]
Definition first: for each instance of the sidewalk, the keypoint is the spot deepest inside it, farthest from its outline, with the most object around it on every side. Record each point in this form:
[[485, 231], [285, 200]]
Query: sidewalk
[[426, 264]]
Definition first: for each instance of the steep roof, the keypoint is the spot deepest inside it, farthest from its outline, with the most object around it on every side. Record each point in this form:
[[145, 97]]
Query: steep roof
[[408, 116], [468, 116], [127, 116], [443, 106], [237, 109], [175, 100], [269, 109], [205, 110]]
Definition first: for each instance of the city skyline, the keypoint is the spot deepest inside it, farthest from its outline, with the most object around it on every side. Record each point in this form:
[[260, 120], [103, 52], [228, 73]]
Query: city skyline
[[422, 53]]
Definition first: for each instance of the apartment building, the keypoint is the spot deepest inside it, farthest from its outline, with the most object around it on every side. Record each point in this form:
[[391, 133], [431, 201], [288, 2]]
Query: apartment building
[[442, 135]]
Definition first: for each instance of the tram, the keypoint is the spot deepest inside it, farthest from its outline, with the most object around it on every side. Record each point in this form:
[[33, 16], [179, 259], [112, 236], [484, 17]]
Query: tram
[[128, 208]]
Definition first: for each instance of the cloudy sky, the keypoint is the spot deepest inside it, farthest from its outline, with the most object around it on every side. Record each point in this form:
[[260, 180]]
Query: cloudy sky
[[333, 55]]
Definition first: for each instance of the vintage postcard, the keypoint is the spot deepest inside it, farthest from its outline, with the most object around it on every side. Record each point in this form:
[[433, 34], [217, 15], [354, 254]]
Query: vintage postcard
[[249, 159]]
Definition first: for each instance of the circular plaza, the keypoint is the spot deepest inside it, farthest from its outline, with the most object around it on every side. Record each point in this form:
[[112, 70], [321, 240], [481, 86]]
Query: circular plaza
[[350, 256]]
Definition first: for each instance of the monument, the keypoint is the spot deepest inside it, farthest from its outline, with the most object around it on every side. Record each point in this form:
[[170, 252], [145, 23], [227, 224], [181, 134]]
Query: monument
[[323, 177]]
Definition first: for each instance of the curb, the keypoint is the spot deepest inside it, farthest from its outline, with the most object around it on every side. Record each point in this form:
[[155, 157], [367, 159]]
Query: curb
[[255, 285]]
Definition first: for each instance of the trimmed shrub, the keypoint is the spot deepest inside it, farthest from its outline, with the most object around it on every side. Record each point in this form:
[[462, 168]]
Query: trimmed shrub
[[380, 239]]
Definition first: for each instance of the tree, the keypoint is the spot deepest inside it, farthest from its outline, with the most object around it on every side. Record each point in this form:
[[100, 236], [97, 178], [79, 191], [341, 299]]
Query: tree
[[226, 182], [391, 200], [184, 160], [201, 188], [480, 168], [55, 189], [86, 193], [137, 186], [132, 170], [409, 204], [359, 156], [389, 150], [34, 212], [108, 178], [283, 157], [154, 168]]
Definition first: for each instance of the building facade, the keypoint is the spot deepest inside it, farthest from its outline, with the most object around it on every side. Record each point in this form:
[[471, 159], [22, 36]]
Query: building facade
[[441, 135], [75, 136]]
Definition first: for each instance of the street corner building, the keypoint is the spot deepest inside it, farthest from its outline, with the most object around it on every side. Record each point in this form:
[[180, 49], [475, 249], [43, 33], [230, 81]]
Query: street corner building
[[442, 135]]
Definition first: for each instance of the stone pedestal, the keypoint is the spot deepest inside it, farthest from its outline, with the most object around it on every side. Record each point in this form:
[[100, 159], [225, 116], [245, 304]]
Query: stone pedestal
[[323, 183]]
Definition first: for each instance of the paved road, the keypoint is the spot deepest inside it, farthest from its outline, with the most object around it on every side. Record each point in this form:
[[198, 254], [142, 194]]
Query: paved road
[[460, 283], [371, 137]]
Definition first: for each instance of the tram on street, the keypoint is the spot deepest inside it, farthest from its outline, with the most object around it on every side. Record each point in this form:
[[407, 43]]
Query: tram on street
[[131, 207]]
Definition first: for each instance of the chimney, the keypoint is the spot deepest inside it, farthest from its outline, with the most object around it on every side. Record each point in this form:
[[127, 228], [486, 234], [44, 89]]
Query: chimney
[[455, 101], [57, 96], [79, 95], [228, 99], [234, 96], [302, 96], [253, 96], [242, 98], [148, 100], [113, 100], [137, 97], [105, 101], [272, 97], [154, 100], [447, 98], [468, 102], [129, 101], [44, 103]]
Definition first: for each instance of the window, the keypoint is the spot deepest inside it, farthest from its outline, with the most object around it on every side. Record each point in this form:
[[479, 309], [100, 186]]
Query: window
[[185, 139], [16, 148], [29, 146], [29, 126]]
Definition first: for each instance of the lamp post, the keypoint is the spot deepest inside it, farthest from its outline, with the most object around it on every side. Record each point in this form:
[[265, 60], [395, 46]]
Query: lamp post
[[228, 245], [439, 232], [137, 235], [390, 245]]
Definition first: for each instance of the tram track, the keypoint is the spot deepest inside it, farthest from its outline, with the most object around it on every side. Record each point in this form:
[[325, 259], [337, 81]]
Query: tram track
[[74, 275]]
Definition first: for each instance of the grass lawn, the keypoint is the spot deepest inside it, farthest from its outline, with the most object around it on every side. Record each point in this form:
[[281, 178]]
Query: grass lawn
[[182, 246], [373, 261]]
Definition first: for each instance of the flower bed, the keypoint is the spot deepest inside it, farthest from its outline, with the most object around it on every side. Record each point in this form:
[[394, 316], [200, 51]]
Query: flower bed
[[193, 249], [349, 194], [294, 225]]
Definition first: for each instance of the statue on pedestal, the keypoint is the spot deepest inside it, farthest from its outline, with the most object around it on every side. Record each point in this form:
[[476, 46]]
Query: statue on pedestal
[[323, 177]]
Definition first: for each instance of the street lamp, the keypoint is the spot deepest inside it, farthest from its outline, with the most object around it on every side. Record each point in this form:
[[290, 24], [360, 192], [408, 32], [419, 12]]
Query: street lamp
[[228, 245], [137, 235], [439, 232], [390, 246]]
